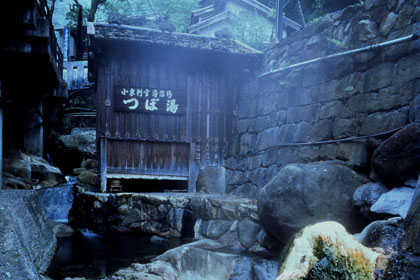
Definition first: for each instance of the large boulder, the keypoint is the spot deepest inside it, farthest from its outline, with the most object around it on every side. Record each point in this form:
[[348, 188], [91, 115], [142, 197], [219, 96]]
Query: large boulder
[[398, 157], [303, 194], [327, 251], [22, 171], [68, 151], [198, 260], [27, 242]]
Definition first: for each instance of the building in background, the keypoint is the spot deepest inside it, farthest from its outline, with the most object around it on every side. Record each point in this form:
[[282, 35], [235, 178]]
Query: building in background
[[248, 20], [31, 68]]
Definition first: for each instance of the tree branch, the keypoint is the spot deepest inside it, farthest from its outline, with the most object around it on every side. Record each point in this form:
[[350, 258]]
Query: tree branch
[[302, 17], [94, 4]]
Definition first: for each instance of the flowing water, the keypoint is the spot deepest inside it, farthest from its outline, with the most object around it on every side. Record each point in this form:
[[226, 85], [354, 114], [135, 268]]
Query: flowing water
[[57, 201], [94, 256]]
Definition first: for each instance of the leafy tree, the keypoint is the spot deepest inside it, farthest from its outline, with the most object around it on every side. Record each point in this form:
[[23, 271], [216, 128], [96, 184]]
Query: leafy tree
[[254, 29], [178, 12]]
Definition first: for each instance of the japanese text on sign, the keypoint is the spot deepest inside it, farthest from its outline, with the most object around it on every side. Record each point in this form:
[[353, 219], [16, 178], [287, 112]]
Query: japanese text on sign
[[132, 99]]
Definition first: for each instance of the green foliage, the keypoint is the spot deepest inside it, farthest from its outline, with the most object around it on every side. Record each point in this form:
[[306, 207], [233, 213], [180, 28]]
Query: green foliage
[[179, 12], [315, 20], [313, 9], [350, 90], [252, 29], [338, 43], [71, 16], [338, 263]]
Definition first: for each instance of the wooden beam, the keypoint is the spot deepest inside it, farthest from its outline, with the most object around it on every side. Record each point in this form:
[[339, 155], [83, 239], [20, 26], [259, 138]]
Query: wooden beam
[[103, 162], [193, 170], [279, 19]]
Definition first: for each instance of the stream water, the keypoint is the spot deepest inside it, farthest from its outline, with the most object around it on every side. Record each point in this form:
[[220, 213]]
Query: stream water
[[95, 256], [57, 201]]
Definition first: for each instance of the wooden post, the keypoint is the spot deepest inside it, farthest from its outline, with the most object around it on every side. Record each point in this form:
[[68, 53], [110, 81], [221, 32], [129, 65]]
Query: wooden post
[[103, 161], [279, 19], [193, 170]]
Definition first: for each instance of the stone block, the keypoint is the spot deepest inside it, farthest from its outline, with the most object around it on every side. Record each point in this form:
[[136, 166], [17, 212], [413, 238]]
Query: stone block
[[355, 153], [214, 229], [266, 139], [378, 77], [344, 128], [404, 16], [303, 113], [247, 233], [384, 121], [287, 133], [388, 24], [407, 69], [245, 190], [314, 74], [330, 109], [367, 30], [322, 130], [247, 143]]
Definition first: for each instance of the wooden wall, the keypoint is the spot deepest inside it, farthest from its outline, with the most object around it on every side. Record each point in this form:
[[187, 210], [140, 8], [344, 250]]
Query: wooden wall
[[164, 144]]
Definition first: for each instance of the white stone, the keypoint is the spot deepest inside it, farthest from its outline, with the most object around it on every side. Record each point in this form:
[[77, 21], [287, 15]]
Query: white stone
[[395, 202]]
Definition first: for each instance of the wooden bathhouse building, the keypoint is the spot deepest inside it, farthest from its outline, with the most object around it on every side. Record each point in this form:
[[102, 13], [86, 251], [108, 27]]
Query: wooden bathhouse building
[[164, 100]]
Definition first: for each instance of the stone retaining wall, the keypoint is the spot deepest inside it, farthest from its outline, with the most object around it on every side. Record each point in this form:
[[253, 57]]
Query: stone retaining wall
[[233, 222], [27, 241], [357, 95]]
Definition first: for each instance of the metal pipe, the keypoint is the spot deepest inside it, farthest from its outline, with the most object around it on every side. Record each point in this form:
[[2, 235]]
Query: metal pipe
[[351, 52]]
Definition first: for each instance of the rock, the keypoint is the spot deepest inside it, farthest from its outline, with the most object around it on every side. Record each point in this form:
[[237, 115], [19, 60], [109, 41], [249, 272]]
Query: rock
[[197, 261], [78, 171], [27, 242], [61, 230], [395, 202], [366, 195], [90, 164], [68, 151], [48, 176], [398, 157], [214, 229], [212, 179], [192, 262], [414, 109], [302, 194], [367, 30], [16, 165], [412, 224], [384, 234], [410, 183], [326, 251], [82, 141], [247, 233], [88, 177], [12, 182], [388, 24], [245, 191], [30, 169]]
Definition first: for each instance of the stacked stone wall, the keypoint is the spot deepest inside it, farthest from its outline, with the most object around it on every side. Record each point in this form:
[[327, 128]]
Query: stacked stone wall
[[359, 95]]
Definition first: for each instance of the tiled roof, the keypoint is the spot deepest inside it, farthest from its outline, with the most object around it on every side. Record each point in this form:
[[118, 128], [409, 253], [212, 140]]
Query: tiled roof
[[115, 32]]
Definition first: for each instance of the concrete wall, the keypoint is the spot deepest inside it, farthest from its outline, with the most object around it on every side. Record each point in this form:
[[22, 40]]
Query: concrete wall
[[357, 95]]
